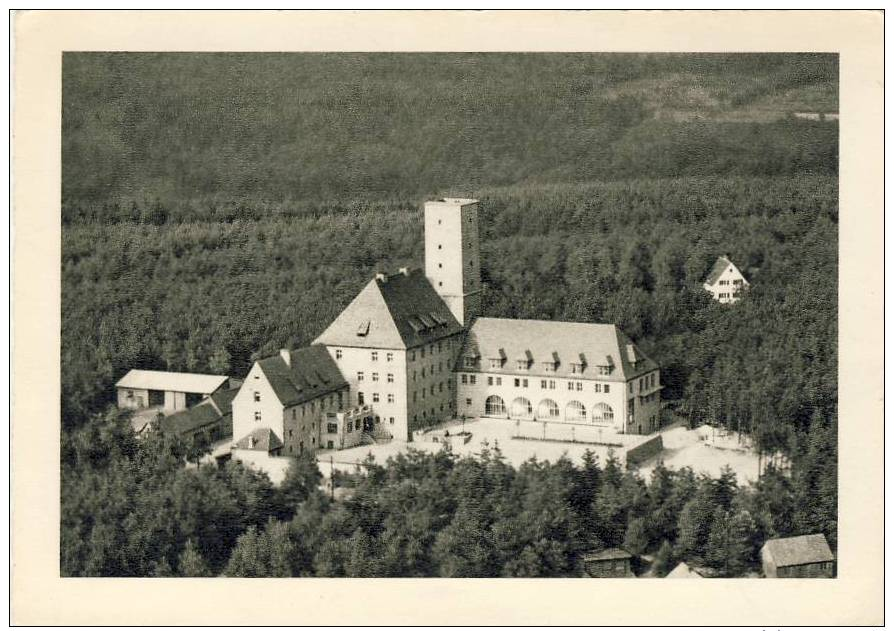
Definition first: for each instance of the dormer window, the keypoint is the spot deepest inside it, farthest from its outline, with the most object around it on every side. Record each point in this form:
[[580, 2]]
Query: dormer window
[[363, 329], [470, 362], [549, 366], [577, 368], [522, 364], [496, 363]]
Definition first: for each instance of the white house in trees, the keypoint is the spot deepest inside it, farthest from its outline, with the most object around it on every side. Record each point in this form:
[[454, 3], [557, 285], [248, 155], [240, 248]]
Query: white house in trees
[[725, 282]]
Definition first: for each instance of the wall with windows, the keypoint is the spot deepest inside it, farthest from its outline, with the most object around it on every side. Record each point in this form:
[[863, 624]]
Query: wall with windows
[[727, 288], [430, 382], [644, 400], [256, 406], [302, 423], [586, 401], [378, 378]]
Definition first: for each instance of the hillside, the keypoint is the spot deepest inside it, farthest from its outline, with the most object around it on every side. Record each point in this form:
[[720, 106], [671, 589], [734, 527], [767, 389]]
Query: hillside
[[307, 128]]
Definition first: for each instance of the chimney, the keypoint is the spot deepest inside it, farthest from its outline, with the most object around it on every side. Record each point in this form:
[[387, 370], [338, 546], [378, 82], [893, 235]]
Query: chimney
[[380, 276], [404, 271], [286, 355]]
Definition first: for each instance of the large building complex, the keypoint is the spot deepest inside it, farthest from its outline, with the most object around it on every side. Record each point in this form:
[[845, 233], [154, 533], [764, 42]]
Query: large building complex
[[409, 351]]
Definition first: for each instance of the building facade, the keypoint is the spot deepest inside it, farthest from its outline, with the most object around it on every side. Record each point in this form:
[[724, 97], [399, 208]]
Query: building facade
[[169, 391], [289, 394], [565, 372], [725, 282]]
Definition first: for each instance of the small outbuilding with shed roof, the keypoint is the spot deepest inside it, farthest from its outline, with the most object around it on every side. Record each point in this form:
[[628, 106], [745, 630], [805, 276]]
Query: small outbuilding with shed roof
[[608, 563], [169, 391], [211, 419], [807, 556]]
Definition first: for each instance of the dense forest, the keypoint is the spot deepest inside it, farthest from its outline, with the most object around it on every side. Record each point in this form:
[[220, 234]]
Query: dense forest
[[130, 508], [219, 207]]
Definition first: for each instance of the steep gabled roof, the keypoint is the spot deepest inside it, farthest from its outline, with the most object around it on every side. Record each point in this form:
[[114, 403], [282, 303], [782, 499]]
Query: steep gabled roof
[[683, 571], [310, 373], [399, 311], [171, 381], [799, 550], [559, 342], [719, 267], [223, 400]]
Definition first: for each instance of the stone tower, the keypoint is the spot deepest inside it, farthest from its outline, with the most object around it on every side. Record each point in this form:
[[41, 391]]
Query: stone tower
[[452, 260]]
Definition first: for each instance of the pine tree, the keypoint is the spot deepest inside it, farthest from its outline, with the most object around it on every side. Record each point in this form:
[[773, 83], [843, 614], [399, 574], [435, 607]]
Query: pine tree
[[191, 562]]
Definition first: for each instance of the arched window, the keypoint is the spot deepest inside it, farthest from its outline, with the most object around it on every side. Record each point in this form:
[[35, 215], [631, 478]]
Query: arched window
[[548, 409], [521, 408], [575, 412], [494, 406], [603, 414]]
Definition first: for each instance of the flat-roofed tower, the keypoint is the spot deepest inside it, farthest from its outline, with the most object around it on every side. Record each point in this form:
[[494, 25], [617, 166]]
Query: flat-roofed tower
[[452, 257]]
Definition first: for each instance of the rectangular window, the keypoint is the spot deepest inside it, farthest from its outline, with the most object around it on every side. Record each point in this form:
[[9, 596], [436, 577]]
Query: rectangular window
[[331, 428], [290, 433], [571, 385], [468, 401], [543, 384], [374, 355], [499, 381], [375, 397], [552, 384], [472, 379], [423, 372], [490, 381], [360, 398], [469, 362], [337, 353], [517, 382], [257, 396], [597, 387], [360, 376], [495, 363], [349, 427], [522, 364], [577, 369], [391, 420], [357, 424], [432, 388], [549, 367], [630, 388], [390, 398], [389, 357], [464, 378], [579, 386], [412, 356], [294, 415], [390, 378], [375, 376], [257, 416]]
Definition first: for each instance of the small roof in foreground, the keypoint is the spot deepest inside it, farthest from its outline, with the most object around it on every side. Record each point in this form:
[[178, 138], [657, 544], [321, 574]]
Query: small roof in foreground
[[261, 439], [609, 554], [799, 550], [172, 381], [209, 411], [683, 571]]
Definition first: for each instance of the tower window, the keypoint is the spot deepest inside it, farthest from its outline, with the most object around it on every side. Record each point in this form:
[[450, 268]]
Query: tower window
[[439, 246]]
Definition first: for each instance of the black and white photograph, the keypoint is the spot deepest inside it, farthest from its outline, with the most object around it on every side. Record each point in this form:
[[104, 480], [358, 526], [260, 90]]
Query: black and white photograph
[[553, 315]]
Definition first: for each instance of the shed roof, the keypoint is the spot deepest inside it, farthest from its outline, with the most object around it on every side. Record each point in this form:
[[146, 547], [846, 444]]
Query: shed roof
[[609, 554], [310, 373], [399, 311], [799, 550], [207, 412], [558, 343], [171, 381]]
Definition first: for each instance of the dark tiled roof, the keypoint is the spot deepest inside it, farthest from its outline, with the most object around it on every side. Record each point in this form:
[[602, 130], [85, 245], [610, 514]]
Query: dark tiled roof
[[264, 440], [609, 554], [799, 550], [198, 416], [223, 400], [561, 342], [311, 373], [399, 311]]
